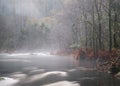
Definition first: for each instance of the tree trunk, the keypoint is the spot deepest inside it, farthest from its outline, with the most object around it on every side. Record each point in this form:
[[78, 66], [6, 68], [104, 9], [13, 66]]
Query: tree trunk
[[110, 27]]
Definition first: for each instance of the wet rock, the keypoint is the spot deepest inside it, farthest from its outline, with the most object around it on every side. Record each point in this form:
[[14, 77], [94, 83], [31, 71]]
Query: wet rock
[[118, 75], [114, 70], [44, 78], [8, 81], [63, 83]]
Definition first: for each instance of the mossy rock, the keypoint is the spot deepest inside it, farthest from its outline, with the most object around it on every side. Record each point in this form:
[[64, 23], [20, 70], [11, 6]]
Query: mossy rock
[[118, 74], [1, 78]]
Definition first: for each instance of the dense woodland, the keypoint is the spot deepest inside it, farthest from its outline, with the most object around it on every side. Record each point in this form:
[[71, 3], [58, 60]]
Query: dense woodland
[[94, 24], [88, 30], [83, 24], [95, 29], [55, 42]]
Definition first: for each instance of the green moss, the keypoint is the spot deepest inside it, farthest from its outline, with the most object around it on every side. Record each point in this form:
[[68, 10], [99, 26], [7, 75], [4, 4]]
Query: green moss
[[1, 78]]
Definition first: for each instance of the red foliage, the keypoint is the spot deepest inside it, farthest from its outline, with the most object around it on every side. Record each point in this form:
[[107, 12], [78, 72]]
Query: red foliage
[[108, 55], [104, 54], [78, 52], [89, 53], [103, 58], [115, 53], [81, 52]]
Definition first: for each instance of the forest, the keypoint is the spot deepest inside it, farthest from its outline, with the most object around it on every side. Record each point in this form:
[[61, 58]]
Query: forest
[[64, 27], [59, 42]]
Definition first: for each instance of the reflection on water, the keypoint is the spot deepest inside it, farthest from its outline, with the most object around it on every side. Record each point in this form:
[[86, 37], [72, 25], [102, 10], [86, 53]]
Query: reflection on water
[[47, 70], [8, 81]]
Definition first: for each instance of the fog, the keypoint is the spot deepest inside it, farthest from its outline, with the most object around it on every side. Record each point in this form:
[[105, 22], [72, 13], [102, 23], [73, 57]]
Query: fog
[[58, 25], [29, 8], [29, 24], [60, 42]]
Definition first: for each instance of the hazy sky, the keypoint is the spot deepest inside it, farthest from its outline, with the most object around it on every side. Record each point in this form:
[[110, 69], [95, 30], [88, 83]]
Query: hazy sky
[[42, 10], [37, 8]]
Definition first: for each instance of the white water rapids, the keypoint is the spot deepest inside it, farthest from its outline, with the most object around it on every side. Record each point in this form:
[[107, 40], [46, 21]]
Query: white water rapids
[[8, 81], [26, 54]]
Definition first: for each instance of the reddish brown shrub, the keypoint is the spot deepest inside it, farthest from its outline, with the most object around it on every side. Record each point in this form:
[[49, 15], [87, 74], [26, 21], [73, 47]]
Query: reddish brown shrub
[[104, 54]]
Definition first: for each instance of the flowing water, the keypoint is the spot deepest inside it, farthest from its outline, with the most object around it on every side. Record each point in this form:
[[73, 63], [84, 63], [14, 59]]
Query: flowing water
[[8, 81], [43, 69]]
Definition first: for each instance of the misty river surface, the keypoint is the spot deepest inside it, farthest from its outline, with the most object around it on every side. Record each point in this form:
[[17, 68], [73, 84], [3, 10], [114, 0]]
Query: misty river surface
[[43, 69]]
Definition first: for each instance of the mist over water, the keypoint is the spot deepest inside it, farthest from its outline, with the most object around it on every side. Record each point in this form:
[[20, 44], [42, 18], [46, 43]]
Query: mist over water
[[29, 25], [59, 42]]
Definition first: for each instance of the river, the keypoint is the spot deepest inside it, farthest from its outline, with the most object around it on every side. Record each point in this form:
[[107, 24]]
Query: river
[[43, 69]]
